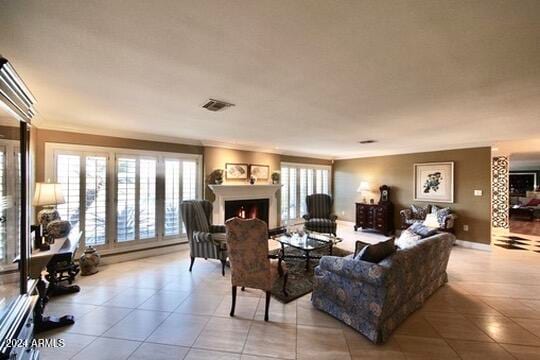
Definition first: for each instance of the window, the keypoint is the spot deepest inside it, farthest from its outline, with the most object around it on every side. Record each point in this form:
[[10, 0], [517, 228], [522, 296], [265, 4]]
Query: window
[[120, 192], [96, 200], [69, 175], [9, 200], [147, 199], [125, 194], [180, 185], [299, 181], [136, 194]]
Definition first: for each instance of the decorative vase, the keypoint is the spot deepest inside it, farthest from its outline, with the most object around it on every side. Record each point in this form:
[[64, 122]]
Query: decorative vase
[[252, 180], [46, 215], [89, 261]]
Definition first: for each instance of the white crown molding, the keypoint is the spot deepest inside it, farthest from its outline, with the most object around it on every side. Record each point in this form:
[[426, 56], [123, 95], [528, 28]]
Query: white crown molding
[[411, 150]]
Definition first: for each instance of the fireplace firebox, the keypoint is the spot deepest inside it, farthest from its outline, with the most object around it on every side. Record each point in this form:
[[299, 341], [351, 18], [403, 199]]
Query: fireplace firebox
[[247, 209]]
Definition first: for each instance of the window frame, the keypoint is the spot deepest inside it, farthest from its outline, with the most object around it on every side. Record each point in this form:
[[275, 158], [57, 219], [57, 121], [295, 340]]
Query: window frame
[[53, 149], [298, 200]]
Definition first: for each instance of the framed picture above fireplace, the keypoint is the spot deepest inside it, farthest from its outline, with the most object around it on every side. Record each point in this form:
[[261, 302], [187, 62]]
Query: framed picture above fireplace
[[261, 172], [236, 171]]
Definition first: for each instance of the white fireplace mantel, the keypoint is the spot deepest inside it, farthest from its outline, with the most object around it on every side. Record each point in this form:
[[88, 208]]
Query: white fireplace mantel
[[227, 192]]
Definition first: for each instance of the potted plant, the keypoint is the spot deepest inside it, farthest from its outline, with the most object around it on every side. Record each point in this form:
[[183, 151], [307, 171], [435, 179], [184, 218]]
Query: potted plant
[[218, 176], [275, 177]]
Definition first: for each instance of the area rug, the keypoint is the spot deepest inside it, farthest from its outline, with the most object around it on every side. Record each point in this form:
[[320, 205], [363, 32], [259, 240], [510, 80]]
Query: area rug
[[300, 281]]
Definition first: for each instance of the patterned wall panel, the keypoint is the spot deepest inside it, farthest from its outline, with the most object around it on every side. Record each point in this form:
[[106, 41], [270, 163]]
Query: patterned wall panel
[[499, 186]]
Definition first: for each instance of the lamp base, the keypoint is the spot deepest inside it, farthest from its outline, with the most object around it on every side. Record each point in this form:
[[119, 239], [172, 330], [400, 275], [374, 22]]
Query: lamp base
[[46, 215]]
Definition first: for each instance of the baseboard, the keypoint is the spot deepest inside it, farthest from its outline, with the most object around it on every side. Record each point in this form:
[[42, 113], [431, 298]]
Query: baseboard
[[142, 253], [473, 245]]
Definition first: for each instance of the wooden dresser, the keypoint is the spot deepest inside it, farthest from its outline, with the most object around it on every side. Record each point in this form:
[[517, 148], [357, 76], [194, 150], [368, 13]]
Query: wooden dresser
[[377, 217]]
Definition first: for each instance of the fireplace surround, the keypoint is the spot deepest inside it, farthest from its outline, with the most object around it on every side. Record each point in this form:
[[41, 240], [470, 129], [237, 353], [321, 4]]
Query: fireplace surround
[[228, 192]]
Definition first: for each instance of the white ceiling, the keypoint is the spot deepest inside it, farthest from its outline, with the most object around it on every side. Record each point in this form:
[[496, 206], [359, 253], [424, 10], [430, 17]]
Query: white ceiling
[[307, 77]]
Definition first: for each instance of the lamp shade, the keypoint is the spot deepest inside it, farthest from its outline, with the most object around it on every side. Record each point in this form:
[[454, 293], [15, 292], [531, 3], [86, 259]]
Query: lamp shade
[[364, 186], [48, 194], [431, 221]]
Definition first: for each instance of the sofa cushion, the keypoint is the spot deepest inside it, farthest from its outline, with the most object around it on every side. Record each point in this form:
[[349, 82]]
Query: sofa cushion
[[407, 239], [377, 252], [422, 230]]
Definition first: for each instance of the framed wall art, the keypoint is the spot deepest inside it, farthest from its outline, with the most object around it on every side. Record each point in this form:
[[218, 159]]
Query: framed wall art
[[434, 182], [236, 171], [261, 172]]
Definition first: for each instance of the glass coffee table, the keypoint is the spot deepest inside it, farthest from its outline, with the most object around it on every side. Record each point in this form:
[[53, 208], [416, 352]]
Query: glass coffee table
[[306, 243]]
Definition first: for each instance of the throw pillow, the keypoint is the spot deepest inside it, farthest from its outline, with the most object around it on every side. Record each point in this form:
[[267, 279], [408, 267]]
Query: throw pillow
[[442, 213], [533, 202], [377, 252], [418, 212], [422, 230], [407, 239]]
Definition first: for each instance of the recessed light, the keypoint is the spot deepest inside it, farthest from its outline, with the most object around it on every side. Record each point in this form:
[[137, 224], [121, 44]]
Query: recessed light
[[367, 141]]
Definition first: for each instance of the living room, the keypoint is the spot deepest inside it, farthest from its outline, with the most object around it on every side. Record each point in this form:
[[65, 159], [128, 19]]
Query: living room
[[255, 180]]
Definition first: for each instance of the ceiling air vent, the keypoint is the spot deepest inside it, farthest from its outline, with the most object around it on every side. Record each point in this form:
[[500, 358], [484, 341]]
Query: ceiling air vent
[[216, 105], [367, 141]]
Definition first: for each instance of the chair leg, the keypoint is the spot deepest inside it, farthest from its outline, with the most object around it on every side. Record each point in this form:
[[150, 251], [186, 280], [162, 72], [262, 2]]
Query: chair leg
[[233, 300], [223, 263], [285, 278], [192, 261], [267, 306]]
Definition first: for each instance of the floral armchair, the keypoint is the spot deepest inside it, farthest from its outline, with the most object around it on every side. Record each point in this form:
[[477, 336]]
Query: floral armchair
[[319, 217], [205, 240], [251, 265], [414, 214]]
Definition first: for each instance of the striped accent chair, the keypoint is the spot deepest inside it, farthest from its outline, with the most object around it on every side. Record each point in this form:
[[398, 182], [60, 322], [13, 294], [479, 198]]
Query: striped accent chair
[[319, 217], [205, 240]]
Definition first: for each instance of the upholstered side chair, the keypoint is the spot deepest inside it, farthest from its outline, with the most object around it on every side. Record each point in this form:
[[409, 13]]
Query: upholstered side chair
[[319, 217], [251, 266], [205, 240]]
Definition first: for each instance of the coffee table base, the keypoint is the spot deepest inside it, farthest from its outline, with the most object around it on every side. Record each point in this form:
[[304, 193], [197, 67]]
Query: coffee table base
[[307, 255]]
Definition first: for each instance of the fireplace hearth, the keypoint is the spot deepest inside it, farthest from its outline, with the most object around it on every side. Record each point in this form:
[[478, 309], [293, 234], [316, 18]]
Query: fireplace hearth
[[247, 209]]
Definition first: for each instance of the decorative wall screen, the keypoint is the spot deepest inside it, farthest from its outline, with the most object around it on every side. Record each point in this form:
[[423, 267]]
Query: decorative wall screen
[[500, 201]]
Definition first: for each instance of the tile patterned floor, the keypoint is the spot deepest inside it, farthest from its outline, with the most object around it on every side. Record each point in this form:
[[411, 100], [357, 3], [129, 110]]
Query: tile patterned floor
[[155, 309]]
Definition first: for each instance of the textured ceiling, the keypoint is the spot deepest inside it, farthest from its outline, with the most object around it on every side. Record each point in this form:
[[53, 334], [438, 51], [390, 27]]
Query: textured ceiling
[[307, 77]]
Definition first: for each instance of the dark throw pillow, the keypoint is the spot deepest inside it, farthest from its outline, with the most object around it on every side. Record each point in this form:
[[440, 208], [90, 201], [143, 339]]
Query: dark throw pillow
[[422, 230], [377, 252]]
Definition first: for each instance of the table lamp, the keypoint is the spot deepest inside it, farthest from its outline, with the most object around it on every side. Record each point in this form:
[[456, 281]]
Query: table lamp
[[47, 195], [362, 189]]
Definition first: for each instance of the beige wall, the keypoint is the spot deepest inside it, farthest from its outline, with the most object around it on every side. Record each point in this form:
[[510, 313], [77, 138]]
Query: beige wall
[[472, 171]]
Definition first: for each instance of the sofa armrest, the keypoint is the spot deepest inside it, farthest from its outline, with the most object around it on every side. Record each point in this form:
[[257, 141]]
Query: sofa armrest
[[218, 228], [333, 217], [449, 221], [352, 269], [406, 214]]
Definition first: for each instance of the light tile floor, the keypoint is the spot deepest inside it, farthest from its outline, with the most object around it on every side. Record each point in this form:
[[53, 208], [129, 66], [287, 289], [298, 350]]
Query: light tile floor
[[155, 309]]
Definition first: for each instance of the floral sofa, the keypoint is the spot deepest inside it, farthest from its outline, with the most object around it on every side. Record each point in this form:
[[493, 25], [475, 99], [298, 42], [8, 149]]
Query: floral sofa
[[375, 298]]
